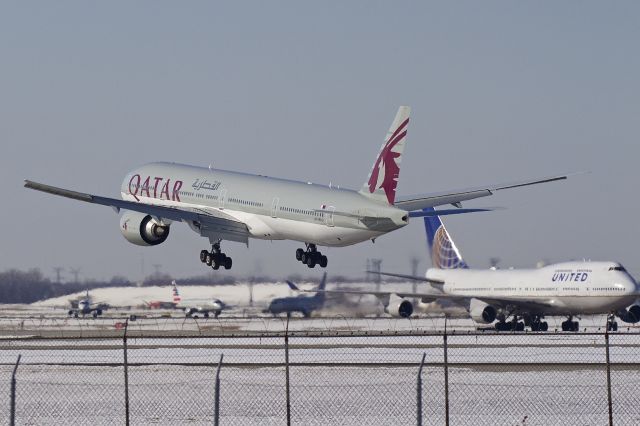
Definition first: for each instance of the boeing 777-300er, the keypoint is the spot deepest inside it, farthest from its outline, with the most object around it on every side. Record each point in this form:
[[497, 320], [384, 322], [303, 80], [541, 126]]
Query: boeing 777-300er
[[568, 289], [233, 206]]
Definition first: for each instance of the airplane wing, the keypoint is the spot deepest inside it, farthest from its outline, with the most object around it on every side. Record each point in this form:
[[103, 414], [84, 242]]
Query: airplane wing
[[422, 201], [382, 294], [408, 277], [212, 224], [513, 305]]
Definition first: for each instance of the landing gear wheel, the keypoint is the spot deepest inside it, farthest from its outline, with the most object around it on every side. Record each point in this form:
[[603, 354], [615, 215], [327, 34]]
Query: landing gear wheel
[[570, 325], [311, 256], [544, 326], [215, 258], [206, 314], [311, 261]]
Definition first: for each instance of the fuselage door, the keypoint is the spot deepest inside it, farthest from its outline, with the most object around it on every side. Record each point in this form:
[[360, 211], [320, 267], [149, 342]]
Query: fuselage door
[[274, 207], [223, 197], [328, 215]]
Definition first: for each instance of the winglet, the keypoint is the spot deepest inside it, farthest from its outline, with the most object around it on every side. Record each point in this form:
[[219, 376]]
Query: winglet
[[292, 286]]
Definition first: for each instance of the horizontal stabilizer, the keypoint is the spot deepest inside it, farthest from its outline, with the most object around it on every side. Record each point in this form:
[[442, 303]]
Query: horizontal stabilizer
[[422, 213], [422, 201]]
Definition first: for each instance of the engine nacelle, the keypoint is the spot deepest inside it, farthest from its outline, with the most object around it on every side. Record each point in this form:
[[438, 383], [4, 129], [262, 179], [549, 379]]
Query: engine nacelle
[[399, 307], [631, 315], [482, 312], [143, 230]]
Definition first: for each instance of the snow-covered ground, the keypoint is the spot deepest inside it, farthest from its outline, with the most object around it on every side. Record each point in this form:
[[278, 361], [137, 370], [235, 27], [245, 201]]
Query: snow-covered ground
[[322, 395], [532, 379]]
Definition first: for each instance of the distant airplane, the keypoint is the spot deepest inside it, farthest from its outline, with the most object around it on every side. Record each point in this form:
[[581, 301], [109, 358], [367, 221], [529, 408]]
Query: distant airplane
[[232, 206], [568, 289], [87, 307], [194, 307], [303, 304]]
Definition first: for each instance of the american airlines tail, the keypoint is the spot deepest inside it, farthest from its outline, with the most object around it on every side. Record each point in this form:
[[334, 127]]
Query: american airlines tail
[[444, 253], [383, 179], [174, 292]]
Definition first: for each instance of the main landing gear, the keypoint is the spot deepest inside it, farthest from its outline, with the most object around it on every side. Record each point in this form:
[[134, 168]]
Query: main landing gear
[[612, 325], [513, 325], [538, 325], [215, 258], [570, 325], [311, 257]]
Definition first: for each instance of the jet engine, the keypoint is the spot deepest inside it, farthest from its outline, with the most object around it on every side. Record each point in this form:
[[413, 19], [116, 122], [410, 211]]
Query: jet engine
[[399, 307], [632, 315], [482, 312], [143, 230]]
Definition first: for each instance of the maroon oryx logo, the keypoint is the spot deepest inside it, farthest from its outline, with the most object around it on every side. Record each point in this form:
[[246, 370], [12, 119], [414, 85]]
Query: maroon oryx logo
[[387, 159]]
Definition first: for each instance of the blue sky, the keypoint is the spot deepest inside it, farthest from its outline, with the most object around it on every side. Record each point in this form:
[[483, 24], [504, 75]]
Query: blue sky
[[306, 90]]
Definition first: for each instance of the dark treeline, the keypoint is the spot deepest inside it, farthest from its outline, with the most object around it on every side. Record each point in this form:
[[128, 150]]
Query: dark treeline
[[30, 286]]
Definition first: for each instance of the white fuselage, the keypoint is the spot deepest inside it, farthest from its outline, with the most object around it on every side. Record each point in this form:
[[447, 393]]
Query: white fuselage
[[571, 288], [272, 209]]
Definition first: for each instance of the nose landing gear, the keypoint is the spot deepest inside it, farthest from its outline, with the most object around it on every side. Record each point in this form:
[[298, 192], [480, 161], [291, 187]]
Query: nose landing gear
[[215, 258], [311, 257]]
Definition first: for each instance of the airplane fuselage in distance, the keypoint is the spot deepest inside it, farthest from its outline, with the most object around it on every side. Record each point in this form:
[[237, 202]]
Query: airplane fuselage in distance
[[569, 288]]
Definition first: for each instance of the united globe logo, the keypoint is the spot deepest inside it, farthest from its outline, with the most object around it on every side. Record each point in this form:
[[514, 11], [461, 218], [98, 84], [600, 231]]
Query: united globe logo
[[444, 253]]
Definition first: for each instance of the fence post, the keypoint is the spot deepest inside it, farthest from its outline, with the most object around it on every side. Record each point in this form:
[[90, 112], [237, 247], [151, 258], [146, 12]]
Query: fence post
[[126, 373], [606, 341], [446, 376], [216, 408], [419, 391], [286, 366], [12, 420]]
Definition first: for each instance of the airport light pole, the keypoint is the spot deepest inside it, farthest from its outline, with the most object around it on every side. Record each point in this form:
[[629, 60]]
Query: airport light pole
[[58, 270]]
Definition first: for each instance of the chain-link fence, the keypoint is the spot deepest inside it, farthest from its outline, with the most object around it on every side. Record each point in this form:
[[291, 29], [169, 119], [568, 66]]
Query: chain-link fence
[[323, 376]]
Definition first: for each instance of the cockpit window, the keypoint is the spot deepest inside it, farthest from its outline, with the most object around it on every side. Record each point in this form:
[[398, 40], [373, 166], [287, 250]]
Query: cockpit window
[[618, 268]]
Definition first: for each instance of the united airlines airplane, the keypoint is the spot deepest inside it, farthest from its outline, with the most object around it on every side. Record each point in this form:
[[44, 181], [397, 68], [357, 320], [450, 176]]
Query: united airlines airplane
[[524, 296], [223, 205]]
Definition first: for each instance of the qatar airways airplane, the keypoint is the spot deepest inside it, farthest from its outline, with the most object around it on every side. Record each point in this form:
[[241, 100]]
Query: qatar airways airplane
[[566, 289], [231, 206]]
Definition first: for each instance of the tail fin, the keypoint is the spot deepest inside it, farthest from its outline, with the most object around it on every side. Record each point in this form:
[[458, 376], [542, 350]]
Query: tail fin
[[444, 253], [321, 294], [174, 292], [383, 178]]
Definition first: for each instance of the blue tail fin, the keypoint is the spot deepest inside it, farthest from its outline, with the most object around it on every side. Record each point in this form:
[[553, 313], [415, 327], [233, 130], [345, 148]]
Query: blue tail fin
[[444, 253], [320, 296]]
